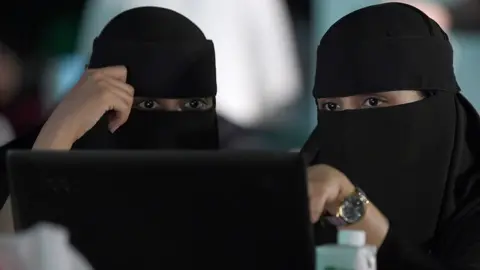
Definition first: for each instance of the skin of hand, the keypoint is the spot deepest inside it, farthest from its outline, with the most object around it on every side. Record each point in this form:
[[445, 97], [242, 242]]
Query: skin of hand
[[328, 187], [98, 91]]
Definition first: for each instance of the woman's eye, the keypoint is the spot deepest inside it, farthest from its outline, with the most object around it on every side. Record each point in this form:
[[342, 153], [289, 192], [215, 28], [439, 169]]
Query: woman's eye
[[372, 102], [330, 106], [196, 104], [148, 105]]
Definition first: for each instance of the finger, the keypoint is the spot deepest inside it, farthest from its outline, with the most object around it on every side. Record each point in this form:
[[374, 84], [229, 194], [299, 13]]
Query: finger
[[314, 214], [313, 187], [121, 112], [317, 207], [111, 88], [117, 72], [117, 100], [127, 88]]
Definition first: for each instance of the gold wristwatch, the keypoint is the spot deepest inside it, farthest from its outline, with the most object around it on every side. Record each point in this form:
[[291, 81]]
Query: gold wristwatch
[[351, 210]]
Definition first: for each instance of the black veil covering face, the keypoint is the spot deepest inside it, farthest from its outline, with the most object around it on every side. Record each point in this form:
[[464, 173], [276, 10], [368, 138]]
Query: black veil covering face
[[415, 161], [167, 57]]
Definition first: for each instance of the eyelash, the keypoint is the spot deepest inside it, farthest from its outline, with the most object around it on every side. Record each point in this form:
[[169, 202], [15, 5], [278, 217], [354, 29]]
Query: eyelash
[[187, 105], [324, 105], [380, 101], [201, 101], [141, 104]]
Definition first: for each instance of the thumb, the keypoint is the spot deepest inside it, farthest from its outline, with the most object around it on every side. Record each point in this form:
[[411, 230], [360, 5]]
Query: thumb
[[317, 206]]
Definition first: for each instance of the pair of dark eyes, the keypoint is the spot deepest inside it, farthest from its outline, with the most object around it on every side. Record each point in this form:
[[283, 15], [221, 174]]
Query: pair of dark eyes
[[190, 104], [332, 106]]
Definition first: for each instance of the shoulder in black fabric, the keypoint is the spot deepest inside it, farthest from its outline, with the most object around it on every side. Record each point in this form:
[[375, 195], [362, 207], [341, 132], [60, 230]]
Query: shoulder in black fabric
[[167, 57], [413, 160]]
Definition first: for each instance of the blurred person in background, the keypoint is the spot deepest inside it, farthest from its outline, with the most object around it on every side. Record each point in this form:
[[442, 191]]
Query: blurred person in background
[[395, 150], [24, 111], [32, 34], [9, 86], [461, 15], [10, 81], [258, 72]]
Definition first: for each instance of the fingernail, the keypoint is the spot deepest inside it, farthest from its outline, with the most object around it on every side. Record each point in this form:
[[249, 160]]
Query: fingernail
[[113, 128]]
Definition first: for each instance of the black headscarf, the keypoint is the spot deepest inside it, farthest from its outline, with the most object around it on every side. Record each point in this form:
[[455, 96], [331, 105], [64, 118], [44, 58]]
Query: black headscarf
[[414, 161], [167, 56]]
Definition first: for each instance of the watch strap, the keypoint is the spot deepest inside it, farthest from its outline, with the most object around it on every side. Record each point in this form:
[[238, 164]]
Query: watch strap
[[335, 221]]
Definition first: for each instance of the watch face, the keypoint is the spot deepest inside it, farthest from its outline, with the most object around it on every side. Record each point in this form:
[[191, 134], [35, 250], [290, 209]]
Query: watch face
[[352, 209]]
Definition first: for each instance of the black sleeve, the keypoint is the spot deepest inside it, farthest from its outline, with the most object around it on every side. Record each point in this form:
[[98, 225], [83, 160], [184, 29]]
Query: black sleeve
[[465, 15], [24, 142], [457, 248], [397, 254]]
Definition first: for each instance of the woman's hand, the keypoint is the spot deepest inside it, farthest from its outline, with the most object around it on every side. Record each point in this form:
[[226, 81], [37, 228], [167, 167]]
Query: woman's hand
[[98, 91], [328, 187]]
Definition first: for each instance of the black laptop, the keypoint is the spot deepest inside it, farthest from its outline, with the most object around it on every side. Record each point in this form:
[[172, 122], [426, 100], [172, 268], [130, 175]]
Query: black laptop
[[170, 210]]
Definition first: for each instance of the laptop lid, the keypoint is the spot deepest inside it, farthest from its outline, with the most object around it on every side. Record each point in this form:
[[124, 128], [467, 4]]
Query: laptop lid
[[169, 210]]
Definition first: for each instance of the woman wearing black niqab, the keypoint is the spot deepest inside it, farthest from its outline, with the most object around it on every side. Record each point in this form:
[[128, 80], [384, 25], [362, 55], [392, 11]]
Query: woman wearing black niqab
[[394, 128], [168, 64], [171, 67]]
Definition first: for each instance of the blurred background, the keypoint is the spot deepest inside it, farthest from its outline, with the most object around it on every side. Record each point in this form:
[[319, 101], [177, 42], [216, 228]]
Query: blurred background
[[265, 57]]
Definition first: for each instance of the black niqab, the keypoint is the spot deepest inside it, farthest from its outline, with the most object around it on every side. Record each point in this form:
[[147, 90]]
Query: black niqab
[[414, 161], [167, 56]]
